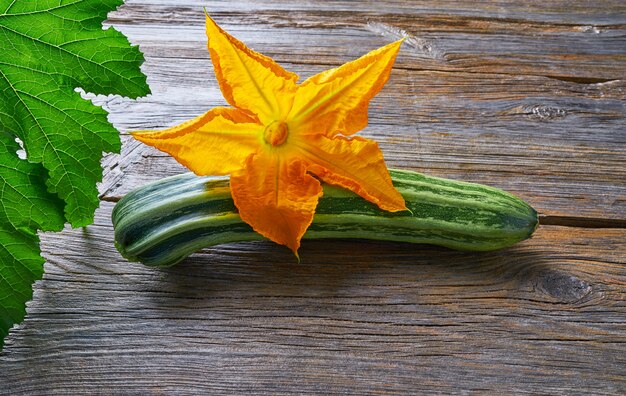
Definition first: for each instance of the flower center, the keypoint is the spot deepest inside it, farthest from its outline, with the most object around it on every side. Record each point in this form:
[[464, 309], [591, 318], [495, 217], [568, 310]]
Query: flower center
[[276, 133]]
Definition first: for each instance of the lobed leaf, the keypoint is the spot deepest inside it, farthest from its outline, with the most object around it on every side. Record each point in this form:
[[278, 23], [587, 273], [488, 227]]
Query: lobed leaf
[[49, 48]]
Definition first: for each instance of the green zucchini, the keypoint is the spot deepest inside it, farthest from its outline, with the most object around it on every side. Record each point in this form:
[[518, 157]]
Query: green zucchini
[[162, 223]]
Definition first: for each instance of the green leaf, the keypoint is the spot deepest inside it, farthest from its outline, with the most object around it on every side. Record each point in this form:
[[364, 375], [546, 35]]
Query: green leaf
[[48, 49]]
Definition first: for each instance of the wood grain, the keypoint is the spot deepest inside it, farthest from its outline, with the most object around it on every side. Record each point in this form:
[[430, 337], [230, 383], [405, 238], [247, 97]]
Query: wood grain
[[546, 316], [553, 11], [531, 106], [436, 42], [526, 96]]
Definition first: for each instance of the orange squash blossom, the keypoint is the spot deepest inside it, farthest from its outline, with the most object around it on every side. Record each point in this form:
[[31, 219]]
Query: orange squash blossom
[[281, 138]]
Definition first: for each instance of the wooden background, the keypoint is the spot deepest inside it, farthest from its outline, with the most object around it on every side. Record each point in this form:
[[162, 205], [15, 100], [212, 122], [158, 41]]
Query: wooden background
[[528, 96]]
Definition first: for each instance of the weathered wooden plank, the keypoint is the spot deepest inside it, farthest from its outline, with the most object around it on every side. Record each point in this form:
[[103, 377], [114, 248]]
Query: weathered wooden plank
[[559, 145], [559, 50], [546, 316], [553, 190], [538, 121], [563, 11], [182, 88]]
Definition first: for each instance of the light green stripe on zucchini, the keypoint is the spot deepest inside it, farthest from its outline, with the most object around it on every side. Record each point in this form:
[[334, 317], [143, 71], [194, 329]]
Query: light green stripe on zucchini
[[163, 222]]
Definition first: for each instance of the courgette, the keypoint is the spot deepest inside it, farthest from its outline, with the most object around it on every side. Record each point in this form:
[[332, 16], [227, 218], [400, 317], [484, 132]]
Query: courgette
[[163, 222]]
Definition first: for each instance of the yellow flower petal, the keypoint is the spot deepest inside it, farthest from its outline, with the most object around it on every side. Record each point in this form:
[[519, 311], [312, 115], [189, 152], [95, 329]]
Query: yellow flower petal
[[278, 132], [215, 143], [356, 164], [276, 197], [337, 100], [250, 81]]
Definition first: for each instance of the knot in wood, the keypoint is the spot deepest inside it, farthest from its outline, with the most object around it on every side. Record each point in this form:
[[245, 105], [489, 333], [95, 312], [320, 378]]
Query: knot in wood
[[564, 288]]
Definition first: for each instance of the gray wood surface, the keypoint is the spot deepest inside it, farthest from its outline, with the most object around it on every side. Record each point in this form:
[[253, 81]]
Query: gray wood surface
[[526, 96], [546, 316]]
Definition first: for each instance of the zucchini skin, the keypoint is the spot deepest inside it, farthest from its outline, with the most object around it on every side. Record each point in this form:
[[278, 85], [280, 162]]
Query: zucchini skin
[[162, 223]]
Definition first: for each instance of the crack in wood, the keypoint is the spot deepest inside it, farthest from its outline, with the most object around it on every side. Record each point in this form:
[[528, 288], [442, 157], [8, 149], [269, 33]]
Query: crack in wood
[[583, 80], [421, 47], [581, 222]]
